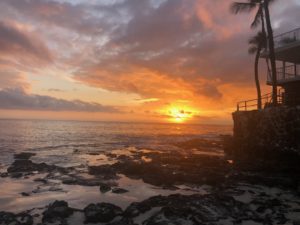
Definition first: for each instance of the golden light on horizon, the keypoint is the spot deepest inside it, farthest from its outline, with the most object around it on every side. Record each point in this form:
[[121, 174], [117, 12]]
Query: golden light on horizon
[[179, 114]]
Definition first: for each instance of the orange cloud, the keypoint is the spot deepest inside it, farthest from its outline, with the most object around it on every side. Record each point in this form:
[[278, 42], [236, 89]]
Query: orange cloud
[[189, 53]]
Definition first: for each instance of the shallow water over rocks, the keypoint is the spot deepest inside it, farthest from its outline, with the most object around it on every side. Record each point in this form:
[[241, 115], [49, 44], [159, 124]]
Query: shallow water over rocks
[[145, 180]]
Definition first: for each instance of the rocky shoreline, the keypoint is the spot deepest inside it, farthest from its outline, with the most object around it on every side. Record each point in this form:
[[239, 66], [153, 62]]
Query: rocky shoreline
[[237, 193]]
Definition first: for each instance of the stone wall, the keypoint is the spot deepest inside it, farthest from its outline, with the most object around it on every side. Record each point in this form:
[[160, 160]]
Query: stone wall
[[268, 133]]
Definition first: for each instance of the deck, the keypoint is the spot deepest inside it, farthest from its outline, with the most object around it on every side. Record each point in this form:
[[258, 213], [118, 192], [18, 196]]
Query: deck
[[287, 47], [286, 75], [250, 105]]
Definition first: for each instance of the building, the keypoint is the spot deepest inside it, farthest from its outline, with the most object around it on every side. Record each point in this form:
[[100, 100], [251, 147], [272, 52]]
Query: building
[[287, 54], [274, 132]]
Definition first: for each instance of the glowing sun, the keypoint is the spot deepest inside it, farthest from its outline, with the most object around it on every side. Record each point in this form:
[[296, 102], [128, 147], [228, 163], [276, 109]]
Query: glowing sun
[[178, 115]]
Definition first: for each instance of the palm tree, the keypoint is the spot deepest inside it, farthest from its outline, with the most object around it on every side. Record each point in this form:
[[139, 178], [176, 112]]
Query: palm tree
[[262, 16], [257, 44], [271, 49]]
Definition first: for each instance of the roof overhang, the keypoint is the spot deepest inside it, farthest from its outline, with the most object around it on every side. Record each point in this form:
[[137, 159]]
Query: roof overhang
[[286, 81]]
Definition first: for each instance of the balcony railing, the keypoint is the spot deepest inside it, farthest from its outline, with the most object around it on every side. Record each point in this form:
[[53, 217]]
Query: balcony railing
[[287, 73], [266, 100], [287, 38]]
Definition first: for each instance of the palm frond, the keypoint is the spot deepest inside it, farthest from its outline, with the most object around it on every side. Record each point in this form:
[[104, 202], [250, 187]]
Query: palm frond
[[259, 41], [257, 18], [238, 7], [256, 1], [252, 50]]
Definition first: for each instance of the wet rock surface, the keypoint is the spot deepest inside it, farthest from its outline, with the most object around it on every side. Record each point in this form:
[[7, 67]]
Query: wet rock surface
[[24, 155], [7, 218], [101, 212], [237, 190], [57, 211], [165, 169], [23, 166], [119, 190], [105, 171], [219, 207], [28, 166], [105, 188]]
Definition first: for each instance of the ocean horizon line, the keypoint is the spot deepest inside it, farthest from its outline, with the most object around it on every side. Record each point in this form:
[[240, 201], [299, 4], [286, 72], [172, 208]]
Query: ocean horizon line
[[116, 121]]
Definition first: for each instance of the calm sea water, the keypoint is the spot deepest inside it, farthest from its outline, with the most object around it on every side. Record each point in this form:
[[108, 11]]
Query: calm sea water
[[53, 141], [81, 144]]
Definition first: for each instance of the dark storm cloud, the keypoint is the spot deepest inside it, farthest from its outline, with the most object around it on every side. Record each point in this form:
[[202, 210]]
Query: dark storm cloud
[[18, 42], [83, 18], [173, 42], [18, 99], [10, 79], [20, 51], [162, 49]]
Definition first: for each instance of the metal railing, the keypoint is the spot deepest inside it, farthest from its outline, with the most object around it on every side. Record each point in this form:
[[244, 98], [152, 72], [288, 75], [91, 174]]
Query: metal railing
[[286, 73], [266, 100], [287, 38]]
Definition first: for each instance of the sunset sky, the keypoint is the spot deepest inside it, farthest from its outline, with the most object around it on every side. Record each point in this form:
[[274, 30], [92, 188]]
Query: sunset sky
[[129, 60]]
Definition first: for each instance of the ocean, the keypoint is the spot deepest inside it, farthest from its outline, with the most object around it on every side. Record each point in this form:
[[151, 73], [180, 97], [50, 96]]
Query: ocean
[[54, 141], [152, 173], [79, 145]]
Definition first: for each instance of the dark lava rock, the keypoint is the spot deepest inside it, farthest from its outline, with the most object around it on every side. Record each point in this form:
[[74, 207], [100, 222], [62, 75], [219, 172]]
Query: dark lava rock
[[106, 171], [42, 180], [200, 144], [119, 190], [24, 219], [3, 175], [261, 209], [16, 175], [57, 210], [20, 166], [79, 180], [266, 179], [7, 218], [198, 208], [274, 202], [297, 222], [171, 215], [105, 188], [123, 157], [25, 194], [176, 169], [93, 153], [24, 155], [101, 212], [122, 221], [69, 180]]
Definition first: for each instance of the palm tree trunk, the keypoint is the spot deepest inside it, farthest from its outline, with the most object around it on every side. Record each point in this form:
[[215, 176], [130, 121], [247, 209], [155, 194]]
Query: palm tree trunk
[[262, 17], [263, 30], [259, 104], [271, 51]]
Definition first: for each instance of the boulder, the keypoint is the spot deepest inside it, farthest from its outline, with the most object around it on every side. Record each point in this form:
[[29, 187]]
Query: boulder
[[57, 210], [104, 188], [106, 171], [101, 212], [20, 166], [24, 155], [119, 190], [24, 219], [7, 218]]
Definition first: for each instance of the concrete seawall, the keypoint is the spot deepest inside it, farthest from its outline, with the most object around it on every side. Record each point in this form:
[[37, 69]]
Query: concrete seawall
[[267, 133]]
